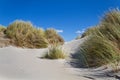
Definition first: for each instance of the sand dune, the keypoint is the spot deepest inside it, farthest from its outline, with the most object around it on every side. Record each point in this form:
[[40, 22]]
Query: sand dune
[[72, 46], [25, 64]]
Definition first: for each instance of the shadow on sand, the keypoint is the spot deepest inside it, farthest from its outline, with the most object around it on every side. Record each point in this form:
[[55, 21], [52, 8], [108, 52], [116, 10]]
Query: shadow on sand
[[78, 61]]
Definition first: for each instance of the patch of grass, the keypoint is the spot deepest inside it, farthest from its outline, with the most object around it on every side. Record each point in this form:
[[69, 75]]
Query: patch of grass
[[112, 16], [2, 28], [23, 34], [103, 43], [89, 31], [53, 37], [55, 52], [99, 51]]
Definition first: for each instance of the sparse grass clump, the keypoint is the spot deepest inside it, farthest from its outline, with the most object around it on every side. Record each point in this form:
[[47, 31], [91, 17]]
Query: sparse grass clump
[[55, 52], [53, 37], [103, 43], [89, 31], [24, 34]]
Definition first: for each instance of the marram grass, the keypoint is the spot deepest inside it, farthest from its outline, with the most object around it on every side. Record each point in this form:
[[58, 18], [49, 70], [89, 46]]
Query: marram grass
[[103, 43], [99, 51], [53, 37], [55, 52], [2, 28], [24, 34]]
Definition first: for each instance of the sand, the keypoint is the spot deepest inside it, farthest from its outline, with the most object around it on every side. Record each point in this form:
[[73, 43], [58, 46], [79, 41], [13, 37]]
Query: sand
[[26, 64]]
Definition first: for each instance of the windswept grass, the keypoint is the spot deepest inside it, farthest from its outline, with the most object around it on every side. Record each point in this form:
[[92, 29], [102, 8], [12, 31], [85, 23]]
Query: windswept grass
[[24, 34], [103, 43], [112, 16], [99, 51], [89, 31], [53, 37], [55, 52]]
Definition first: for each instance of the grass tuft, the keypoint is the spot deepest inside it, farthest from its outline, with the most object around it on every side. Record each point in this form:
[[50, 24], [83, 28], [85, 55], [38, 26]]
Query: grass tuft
[[55, 52], [53, 37]]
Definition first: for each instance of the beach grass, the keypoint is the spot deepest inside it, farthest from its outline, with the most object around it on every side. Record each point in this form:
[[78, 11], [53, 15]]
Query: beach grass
[[2, 28], [55, 52], [53, 37], [102, 45], [24, 34]]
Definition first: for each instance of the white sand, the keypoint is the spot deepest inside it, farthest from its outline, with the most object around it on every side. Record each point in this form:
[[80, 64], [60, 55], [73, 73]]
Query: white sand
[[72, 46], [25, 64]]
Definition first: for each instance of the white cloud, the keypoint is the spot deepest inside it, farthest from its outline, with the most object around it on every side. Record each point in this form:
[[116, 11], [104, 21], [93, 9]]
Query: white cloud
[[59, 31], [80, 31]]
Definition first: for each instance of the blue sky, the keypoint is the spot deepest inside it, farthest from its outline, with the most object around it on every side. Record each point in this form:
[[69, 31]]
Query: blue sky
[[67, 15]]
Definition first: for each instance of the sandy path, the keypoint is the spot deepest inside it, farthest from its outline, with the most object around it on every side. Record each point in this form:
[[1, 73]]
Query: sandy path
[[25, 64], [72, 46]]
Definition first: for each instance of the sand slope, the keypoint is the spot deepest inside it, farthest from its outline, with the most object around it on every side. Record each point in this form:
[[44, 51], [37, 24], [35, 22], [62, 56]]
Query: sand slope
[[72, 46], [25, 64]]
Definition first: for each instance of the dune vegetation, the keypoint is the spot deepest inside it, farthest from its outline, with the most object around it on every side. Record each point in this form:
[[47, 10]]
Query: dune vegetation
[[2, 29], [102, 45], [55, 52], [53, 37], [24, 34]]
